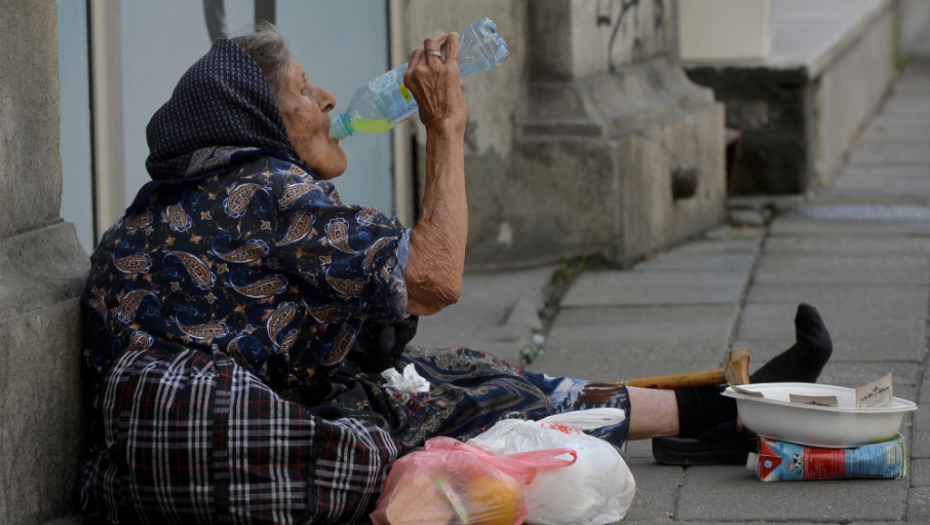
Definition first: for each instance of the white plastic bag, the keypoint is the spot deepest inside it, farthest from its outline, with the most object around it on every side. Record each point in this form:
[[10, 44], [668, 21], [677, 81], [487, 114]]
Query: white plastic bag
[[598, 489]]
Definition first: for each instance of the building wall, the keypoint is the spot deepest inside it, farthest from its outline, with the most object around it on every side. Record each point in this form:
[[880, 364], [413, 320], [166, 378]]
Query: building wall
[[839, 112], [572, 143], [724, 30], [913, 18], [41, 264], [495, 100], [801, 108], [493, 97]]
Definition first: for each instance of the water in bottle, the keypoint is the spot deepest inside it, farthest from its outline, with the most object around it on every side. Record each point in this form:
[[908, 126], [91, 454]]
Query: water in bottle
[[382, 103]]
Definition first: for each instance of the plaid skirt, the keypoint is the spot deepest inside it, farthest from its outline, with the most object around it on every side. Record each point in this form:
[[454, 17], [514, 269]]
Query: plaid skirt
[[195, 438]]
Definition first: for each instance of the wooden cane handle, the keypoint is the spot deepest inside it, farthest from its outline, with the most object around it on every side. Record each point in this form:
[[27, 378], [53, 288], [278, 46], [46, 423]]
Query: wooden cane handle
[[735, 373], [691, 379]]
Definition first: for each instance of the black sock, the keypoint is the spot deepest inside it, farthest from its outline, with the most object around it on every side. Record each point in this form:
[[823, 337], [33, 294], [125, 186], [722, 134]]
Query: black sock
[[804, 361], [701, 409]]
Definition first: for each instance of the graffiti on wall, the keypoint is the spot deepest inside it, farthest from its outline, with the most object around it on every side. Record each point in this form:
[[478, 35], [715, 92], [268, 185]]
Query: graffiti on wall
[[637, 30]]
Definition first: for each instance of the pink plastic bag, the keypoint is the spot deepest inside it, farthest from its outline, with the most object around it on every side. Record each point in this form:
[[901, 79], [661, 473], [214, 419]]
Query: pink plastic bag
[[451, 483]]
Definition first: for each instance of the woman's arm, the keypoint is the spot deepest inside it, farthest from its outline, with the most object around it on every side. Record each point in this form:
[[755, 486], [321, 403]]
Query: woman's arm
[[437, 242]]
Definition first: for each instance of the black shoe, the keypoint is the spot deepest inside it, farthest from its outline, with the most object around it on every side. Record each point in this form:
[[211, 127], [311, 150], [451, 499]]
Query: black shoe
[[721, 445]]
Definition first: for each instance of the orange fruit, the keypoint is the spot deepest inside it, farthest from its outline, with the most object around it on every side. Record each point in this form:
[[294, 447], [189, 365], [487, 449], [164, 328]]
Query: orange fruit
[[493, 500]]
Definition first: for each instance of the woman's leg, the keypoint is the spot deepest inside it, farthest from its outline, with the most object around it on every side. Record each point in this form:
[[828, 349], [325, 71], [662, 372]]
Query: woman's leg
[[689, 412], [653, 413]]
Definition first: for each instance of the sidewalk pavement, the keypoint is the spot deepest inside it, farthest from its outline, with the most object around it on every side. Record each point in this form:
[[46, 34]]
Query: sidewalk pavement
[[859, 252]]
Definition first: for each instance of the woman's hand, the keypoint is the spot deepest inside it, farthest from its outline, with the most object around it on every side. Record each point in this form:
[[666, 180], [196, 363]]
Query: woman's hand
[[436, 84], [437, 242]]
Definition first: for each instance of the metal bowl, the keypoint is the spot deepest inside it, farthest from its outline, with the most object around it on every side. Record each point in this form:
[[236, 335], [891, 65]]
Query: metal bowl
[[844, 426]]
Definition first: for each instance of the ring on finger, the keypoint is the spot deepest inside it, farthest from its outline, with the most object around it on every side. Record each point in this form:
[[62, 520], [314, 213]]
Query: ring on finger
[[454, 57], [434, 52]]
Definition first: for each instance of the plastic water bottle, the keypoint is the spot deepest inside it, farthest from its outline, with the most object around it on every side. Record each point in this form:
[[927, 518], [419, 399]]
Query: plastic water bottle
[[382, 103]]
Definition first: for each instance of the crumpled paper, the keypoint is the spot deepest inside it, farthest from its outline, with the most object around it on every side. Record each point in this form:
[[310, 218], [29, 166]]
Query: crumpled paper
[[410, 381]]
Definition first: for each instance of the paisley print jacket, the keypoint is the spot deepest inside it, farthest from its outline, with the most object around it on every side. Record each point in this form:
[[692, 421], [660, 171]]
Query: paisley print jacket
[[261, 262]]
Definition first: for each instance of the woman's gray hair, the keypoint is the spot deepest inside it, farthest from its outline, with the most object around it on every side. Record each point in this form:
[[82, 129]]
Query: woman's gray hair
[[267, 47]]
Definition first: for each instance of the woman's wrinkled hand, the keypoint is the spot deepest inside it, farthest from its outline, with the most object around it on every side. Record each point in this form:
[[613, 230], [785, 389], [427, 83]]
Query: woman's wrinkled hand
[[435, 83]]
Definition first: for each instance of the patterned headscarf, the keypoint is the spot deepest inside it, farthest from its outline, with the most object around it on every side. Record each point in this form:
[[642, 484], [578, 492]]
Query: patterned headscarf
[[221, 113]]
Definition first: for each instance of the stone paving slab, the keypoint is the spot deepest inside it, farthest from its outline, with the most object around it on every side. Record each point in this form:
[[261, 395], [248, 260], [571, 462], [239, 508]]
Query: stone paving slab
[[852, 245], [892, 151], [895, 125], [899, 107], [901, 301], [911, 84], [630, 342], [851, 349], [761, 350], [907, 375], [920, 473], [612, 344], [920, 443], [888, 198], [908, 181], [632, 360], [887, 127], [848, 311], [656, 489], [857, 337], [651, 323], [750, 245], [788, 268], [783, 226], [479, 319], [910, 95], [844, 368], [642, 288], [915, 70], [918, 505], [641, 448], [860, 212], [908, 393], [913, 87], [492, 337], [732, 493], [774, 321], [701, 262], [853, 374]]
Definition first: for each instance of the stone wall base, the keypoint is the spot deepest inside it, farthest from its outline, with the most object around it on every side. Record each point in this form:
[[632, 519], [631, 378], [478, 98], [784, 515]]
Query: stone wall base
[[592, 170], [41, 393]]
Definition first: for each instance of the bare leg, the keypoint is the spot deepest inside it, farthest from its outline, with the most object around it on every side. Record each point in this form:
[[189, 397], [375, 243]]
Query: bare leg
[[653, 413]]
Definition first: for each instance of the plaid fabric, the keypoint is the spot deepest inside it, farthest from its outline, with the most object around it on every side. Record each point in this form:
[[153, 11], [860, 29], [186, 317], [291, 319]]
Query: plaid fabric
[[195, 438]]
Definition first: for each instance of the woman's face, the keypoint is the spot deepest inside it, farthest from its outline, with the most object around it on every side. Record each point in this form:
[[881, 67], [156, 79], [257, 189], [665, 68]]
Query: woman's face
[[305, 108]]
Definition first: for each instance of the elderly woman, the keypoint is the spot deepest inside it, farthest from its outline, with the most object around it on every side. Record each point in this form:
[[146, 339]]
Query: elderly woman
[[236, 313]]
